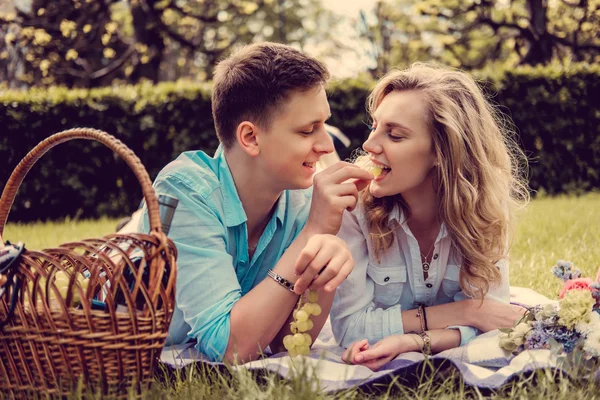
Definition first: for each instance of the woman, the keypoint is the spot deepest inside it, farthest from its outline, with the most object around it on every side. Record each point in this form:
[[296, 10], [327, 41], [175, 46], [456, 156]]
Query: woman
[[430, 236]]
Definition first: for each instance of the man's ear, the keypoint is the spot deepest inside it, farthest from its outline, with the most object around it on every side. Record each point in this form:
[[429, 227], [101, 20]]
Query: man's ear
[[246, 135]]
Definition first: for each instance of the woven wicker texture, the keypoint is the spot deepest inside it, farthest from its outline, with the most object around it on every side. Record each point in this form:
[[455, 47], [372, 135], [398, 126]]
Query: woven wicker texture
[[57, 336]]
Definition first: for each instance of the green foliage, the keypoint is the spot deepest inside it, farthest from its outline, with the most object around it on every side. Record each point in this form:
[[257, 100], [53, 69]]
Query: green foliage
[[84, 178], [557, 115], [556, 112], [80, 43], [481, 34]]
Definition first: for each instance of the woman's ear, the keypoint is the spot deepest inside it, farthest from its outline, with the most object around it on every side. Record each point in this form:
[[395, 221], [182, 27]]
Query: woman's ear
[[247, 138]]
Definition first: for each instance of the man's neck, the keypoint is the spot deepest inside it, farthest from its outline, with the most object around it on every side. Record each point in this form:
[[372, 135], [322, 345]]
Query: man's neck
[[255, 191]]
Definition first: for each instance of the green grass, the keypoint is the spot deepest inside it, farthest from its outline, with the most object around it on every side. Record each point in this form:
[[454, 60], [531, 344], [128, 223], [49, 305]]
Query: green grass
[[550, 229], [42, 235]]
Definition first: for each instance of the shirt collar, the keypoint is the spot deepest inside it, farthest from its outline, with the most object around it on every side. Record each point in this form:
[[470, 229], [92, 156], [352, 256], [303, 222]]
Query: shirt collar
[[396, 219], [232, 205]]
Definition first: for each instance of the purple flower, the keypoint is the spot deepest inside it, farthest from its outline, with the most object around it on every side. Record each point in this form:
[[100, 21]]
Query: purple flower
[[595, 290], [564, 270], [537, 339], [568, 338]]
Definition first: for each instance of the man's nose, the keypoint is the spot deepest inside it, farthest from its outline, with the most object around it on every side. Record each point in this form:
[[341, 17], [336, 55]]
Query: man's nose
[[325, 143]]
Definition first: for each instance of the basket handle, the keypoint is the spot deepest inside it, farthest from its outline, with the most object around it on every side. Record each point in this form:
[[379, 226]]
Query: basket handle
[[16, 178]]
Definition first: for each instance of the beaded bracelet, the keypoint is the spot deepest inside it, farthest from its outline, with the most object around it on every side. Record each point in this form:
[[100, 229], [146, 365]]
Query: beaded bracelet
[[422, 317]]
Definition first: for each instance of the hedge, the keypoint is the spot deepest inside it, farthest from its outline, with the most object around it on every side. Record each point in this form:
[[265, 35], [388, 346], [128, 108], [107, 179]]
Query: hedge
[[556, 112]]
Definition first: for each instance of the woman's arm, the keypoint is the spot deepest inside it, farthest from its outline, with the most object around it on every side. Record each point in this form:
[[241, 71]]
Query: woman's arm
[[353, 313], [382, 352]]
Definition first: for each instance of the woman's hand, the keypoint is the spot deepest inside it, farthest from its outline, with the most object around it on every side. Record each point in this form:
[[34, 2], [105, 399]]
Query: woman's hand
[[325, 261], [382, 352], [492, 314], [353, 350]]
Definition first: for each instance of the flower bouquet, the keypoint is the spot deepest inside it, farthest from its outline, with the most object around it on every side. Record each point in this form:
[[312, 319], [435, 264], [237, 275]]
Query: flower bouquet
[[569, 327]]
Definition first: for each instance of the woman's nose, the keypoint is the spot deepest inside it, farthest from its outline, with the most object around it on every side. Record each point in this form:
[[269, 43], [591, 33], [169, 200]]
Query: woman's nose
[[371, 145]]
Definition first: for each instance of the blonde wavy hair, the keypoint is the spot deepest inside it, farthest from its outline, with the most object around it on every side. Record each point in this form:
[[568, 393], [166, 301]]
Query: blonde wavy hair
[[479, 178]]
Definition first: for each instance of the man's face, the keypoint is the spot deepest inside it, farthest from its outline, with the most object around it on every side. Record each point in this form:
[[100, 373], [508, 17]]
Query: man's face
[[296, 139]]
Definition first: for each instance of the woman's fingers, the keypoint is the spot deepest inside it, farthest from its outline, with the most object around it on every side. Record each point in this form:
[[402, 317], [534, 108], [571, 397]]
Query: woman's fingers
[[375, 365], [373, 353], [353, 349]]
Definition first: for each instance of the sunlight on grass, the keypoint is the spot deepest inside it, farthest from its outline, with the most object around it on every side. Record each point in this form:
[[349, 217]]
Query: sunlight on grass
[[41, 235], [552, 229]]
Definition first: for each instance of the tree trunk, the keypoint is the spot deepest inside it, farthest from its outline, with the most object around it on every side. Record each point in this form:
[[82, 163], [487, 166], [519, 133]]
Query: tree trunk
[[541, 46], [146, 25]]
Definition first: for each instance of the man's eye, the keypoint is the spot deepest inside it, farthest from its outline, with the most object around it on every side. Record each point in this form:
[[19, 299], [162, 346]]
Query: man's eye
[[308, 132]]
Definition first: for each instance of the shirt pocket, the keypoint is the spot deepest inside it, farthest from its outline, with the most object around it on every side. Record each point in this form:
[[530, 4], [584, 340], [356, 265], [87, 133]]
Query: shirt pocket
[[451, 281], [388, 281]]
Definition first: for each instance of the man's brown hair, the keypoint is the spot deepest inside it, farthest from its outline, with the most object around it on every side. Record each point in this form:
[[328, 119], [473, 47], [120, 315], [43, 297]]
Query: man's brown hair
[[252, 83]]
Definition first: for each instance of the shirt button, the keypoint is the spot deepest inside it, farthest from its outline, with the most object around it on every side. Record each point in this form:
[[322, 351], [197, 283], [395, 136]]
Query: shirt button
[[387, 278], [435, 256], [429, 285]]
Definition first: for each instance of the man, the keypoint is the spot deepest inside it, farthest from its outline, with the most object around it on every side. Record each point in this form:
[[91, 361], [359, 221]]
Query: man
[[249, 209]]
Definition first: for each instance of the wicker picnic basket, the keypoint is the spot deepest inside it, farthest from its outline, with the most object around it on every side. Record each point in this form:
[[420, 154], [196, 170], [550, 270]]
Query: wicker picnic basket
[[93, 313]]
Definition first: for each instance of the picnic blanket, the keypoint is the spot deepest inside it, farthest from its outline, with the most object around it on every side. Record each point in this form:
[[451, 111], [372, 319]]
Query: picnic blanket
[[482, 363]]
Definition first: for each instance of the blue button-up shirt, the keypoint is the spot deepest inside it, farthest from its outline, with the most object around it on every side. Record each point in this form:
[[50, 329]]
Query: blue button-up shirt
[[210, 232]]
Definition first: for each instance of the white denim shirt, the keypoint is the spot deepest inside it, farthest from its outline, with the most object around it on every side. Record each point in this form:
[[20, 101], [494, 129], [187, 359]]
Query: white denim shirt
[[369, 303]]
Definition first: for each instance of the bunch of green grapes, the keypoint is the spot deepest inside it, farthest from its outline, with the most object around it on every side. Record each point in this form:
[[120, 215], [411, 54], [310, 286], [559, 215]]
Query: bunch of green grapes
[[298, 343]]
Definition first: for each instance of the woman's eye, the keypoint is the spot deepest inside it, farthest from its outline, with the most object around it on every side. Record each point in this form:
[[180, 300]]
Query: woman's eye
[[308, 132], [395, 137]]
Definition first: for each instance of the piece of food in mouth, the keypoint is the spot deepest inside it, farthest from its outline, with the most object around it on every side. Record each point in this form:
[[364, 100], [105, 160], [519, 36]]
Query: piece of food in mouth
[[375, 170]]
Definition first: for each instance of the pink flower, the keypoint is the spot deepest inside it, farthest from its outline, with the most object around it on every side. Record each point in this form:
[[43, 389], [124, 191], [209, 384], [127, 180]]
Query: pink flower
[[574, 284]]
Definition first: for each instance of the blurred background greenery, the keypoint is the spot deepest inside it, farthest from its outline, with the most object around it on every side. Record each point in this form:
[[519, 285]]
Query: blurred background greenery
[[92, 43], [141, 69]]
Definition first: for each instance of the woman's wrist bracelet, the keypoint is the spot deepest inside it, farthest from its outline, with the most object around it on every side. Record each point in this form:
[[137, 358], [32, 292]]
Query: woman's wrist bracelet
[[422, 317], [281, 280], [426, 349]]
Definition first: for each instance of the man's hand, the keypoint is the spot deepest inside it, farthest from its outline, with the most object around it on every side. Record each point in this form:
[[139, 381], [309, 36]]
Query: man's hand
[[335, 190], [491, 314], [325, 261]]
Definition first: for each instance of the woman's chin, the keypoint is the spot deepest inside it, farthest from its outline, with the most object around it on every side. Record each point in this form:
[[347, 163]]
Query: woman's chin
[[376, 190]]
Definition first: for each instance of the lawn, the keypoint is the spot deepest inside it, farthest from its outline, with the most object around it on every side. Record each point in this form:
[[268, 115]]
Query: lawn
[[551, 228]]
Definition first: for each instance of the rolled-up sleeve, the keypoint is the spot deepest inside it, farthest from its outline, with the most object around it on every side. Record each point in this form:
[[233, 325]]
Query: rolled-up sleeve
[[207, 286], [353, 313], [499, 293]]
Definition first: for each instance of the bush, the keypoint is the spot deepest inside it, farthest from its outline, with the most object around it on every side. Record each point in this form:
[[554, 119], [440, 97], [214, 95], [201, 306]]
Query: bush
[[82, 178], [557, 114]]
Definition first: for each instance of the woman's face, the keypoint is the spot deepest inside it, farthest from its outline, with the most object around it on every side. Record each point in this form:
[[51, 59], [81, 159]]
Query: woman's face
[[401, 144]]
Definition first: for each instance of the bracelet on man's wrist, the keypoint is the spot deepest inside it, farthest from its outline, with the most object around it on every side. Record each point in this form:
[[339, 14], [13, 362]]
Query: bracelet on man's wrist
[[281, 280]]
